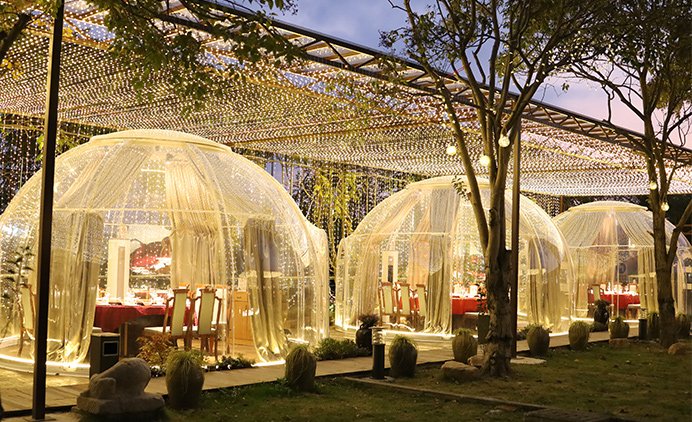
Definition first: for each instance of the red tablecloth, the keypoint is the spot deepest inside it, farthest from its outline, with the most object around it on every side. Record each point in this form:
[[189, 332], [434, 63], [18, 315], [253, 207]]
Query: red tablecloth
[[463, 304], [621, 300], [110, 317]]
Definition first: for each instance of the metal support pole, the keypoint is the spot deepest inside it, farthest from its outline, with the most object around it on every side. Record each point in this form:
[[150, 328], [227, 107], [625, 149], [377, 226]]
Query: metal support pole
[[516, 138], [38, 411]]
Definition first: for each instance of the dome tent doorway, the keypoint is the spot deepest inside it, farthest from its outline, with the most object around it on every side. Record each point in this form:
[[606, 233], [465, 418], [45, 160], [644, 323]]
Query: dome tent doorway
[[226, 222], [425, 235], [612, 250]]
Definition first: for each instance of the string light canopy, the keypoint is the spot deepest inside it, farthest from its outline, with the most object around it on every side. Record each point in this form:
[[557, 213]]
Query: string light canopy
[[327, 106]]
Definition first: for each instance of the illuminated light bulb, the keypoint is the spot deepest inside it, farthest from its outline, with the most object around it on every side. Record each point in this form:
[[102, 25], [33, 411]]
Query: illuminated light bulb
[[665, 206], [484, 160], [504, 141], [653, 185], [451, 149]]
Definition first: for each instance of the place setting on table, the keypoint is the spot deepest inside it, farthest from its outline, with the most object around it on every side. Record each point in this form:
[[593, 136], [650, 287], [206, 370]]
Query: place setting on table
[[116, 314]]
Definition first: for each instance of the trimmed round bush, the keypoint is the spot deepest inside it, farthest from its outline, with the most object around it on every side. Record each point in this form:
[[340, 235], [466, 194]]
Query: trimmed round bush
[[403, 355], [301, 365], [579, 335], [619, 328], [464, 345], [184, 378], [538, 339]]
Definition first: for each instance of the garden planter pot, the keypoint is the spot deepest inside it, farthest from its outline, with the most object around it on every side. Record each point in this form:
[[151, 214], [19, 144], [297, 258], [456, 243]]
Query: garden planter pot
[[184, 387], [364, 338]]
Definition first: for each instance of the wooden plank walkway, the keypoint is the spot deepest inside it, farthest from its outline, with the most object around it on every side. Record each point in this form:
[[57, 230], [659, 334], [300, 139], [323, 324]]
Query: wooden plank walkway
[[19, 400]]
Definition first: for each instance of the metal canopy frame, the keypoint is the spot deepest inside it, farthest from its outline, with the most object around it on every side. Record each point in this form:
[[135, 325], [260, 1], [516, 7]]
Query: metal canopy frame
[[309, 110]]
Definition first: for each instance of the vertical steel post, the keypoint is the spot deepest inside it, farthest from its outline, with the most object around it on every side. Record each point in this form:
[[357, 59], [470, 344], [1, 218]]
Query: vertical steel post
[[516, 138], [38, 411]]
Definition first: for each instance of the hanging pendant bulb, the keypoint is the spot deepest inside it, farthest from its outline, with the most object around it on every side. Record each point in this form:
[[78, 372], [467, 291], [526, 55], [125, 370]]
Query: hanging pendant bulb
[[653, 185], [451, 150], [665, 206], [503, 141], [484, 160]]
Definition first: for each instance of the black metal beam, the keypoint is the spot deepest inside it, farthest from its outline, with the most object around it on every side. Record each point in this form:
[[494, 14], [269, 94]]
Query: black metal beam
[[38, 410]]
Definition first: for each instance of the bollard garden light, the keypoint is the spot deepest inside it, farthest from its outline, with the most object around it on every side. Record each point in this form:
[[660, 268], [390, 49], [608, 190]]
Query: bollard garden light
[[377, 352]]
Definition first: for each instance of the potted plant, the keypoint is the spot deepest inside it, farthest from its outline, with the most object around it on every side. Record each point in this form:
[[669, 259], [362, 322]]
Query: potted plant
[[619, 328], [464, 345], [538, 339], [403, 355], [364, 334], [483, 317], [601, 314], [301, 365], [578, 334], [184, 378]]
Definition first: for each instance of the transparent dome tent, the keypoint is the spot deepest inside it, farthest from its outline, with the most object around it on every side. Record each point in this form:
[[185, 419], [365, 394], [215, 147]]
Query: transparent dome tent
[[426, 235], [612, 248], [224, 221]]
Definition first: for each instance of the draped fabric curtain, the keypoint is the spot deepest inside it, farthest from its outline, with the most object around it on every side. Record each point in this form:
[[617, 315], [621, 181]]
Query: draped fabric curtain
[[430, 257], [78, 249], [266, 298], [368, 266], [196, 242]]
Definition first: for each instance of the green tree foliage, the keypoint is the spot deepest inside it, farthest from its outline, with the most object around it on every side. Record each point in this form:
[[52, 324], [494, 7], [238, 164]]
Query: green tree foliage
[[495, 48], [154, 35], [648, 68]]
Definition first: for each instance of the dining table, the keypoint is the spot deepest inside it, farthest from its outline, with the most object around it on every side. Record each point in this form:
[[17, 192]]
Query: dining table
[[462, 304], [111, 317], [619, 300]]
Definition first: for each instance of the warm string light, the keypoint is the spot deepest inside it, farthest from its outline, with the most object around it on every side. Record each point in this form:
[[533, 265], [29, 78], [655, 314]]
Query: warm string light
[[304, 111]]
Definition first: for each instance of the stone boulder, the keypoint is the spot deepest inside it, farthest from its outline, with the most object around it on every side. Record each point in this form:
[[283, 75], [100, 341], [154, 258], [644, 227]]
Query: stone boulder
[[619, 343], [477, 360], [119, 390], [459, 372], [679, 349]]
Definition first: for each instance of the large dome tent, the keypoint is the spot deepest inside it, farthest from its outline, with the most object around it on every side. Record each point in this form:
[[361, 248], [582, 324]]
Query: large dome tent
[[426, 235], [225, 221]]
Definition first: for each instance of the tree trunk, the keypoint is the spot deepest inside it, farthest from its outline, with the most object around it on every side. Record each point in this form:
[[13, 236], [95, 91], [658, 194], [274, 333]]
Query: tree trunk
[[498, 352], [666, 303]]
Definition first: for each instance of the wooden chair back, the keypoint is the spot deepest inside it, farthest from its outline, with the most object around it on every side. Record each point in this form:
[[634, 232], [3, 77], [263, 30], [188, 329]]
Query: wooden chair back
[[175, 313], [405, 300], [207, 302], [422, 300], [27, 308]]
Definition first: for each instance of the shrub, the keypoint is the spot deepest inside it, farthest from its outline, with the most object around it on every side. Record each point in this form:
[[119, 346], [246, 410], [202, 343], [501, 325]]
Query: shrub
[[300, 369], [330, 349], [403, 355], [521, 334], [598, 326], [368, 320], [155, 350], [654, 325], [682, 325], [538, 339], [619, 328], [464, 345], [579, 335], [228, 362]]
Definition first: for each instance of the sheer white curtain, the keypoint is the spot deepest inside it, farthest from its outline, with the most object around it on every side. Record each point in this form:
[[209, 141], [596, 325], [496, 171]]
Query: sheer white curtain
[[78, 248], [196, 242]]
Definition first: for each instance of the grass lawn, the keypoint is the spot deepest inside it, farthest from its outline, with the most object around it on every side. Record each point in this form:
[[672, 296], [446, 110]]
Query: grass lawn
[[337, 400], [642, 382]]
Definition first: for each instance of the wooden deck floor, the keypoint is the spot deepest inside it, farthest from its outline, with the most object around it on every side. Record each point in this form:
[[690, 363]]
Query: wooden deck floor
[[19, 399]]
